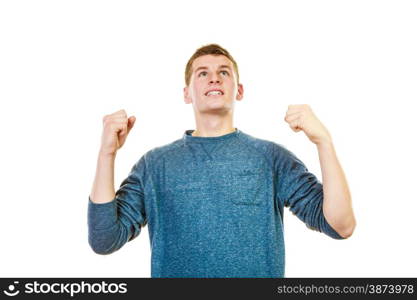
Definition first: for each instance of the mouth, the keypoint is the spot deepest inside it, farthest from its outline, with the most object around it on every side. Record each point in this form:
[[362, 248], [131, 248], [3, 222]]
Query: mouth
[[214, 93]]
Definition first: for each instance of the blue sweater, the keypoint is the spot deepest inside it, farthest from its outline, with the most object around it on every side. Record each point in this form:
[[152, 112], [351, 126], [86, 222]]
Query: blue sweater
[[213, 206]]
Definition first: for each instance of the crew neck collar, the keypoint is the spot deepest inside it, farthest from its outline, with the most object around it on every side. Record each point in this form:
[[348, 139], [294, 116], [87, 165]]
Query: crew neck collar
[[188, 138]]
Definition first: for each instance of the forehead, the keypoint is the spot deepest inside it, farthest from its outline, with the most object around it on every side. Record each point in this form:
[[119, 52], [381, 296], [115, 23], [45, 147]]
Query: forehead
[[211, 61]]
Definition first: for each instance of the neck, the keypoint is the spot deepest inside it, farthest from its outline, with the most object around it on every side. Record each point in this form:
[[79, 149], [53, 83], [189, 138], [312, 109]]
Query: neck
[[211, 125]]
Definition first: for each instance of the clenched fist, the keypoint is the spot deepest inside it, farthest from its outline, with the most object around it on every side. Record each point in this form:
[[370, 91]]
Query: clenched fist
[[301, 117], [116, 127]]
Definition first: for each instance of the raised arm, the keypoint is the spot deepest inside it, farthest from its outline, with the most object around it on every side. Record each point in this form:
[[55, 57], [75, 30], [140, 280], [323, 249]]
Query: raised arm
[[115, 218], [337, 203]]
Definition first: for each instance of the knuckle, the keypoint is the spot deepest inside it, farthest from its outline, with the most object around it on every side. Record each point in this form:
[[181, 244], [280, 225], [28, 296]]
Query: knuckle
[[108, 120]]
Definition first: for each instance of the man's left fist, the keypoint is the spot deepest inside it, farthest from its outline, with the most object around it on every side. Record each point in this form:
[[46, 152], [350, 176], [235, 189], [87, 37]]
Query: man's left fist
[[301, 117]]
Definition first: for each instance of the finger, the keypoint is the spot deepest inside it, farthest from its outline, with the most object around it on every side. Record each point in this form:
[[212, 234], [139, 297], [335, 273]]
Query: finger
[[295, 129], [292, 117], [118, 115], [123, 131], [117, 119], [120, 112], [296, 108], [295, 125], [292, 108], [110, 122], [111, 118], [117, 127], [131, 122]]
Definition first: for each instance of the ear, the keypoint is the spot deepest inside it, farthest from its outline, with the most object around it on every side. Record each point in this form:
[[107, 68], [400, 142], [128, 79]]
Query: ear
[[239, 95], [187, 98]]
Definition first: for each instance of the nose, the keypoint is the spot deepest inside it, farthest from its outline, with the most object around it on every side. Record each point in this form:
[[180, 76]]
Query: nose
[[215, 78]]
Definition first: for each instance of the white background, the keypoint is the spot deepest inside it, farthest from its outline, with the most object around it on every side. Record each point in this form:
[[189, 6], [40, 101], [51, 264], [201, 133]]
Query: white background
[[65, 64]]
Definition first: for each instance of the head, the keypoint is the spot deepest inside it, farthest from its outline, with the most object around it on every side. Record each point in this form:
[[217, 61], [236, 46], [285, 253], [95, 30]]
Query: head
[[212, 80]]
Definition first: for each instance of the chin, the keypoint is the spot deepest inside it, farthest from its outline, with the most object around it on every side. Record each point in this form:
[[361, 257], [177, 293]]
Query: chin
[[216, 109]]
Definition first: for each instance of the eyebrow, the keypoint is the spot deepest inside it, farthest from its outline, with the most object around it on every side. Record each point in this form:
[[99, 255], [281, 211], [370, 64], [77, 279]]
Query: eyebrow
[[205, 68]]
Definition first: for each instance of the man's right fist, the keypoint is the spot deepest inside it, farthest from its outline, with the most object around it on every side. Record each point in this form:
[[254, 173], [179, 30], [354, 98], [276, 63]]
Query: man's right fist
[[116, 127]]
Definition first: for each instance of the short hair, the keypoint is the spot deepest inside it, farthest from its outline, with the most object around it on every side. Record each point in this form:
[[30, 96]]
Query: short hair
[[211, 49]]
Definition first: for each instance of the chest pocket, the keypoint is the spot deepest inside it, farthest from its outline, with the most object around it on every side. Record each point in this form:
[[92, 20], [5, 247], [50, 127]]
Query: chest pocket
[[246, 185]]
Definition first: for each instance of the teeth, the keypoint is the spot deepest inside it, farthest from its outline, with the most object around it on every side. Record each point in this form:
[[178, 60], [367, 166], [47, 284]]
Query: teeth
[[214, 93]]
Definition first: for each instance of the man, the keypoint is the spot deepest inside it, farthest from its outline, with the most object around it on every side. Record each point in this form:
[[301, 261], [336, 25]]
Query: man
[[213, 199]]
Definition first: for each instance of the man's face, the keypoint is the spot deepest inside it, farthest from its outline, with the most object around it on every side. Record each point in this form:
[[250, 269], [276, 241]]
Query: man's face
[[213, 85]]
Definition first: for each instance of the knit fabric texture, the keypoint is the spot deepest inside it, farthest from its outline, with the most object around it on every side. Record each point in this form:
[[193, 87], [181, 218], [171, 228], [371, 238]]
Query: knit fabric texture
[[213, 206]]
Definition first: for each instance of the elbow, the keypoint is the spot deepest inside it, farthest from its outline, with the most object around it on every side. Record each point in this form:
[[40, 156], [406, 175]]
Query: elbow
[[100, 247], [347, 231], [101, 251], [344, 225], [107, 242]]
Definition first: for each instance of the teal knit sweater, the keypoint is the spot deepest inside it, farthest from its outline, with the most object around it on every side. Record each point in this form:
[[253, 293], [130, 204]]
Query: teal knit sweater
[[213, 205]]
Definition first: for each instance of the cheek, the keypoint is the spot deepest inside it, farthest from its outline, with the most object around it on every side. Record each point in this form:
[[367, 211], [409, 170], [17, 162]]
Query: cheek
[[198, 89], [231, 87], [194, 92]]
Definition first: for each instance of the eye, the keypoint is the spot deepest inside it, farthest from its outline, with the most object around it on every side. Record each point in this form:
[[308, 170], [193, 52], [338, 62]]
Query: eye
[[204, 72], [227, 73]]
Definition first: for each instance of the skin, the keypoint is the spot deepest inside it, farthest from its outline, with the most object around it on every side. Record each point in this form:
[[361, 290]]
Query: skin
[[337, 203]]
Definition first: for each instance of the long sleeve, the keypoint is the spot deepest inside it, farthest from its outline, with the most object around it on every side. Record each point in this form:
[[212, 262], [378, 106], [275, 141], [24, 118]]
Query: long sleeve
[[112, 224], [301, 191]]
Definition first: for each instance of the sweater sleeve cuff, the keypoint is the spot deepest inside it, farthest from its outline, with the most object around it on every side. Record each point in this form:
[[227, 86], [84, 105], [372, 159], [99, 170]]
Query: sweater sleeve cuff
[[102, 215]]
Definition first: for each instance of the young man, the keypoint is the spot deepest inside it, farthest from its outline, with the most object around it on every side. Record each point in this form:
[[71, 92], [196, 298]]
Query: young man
[[213, 199]]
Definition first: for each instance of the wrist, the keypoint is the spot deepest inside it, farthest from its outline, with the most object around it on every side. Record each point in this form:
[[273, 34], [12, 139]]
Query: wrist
[[324, 144], [106, 155], [324, 140]]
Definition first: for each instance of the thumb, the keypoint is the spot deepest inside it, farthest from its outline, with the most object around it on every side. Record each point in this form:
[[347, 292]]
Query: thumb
[[130, 122]]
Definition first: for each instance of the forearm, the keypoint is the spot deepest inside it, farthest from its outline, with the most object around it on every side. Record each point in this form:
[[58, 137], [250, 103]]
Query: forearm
[[106, 233], [337, 203], [103, 186]]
